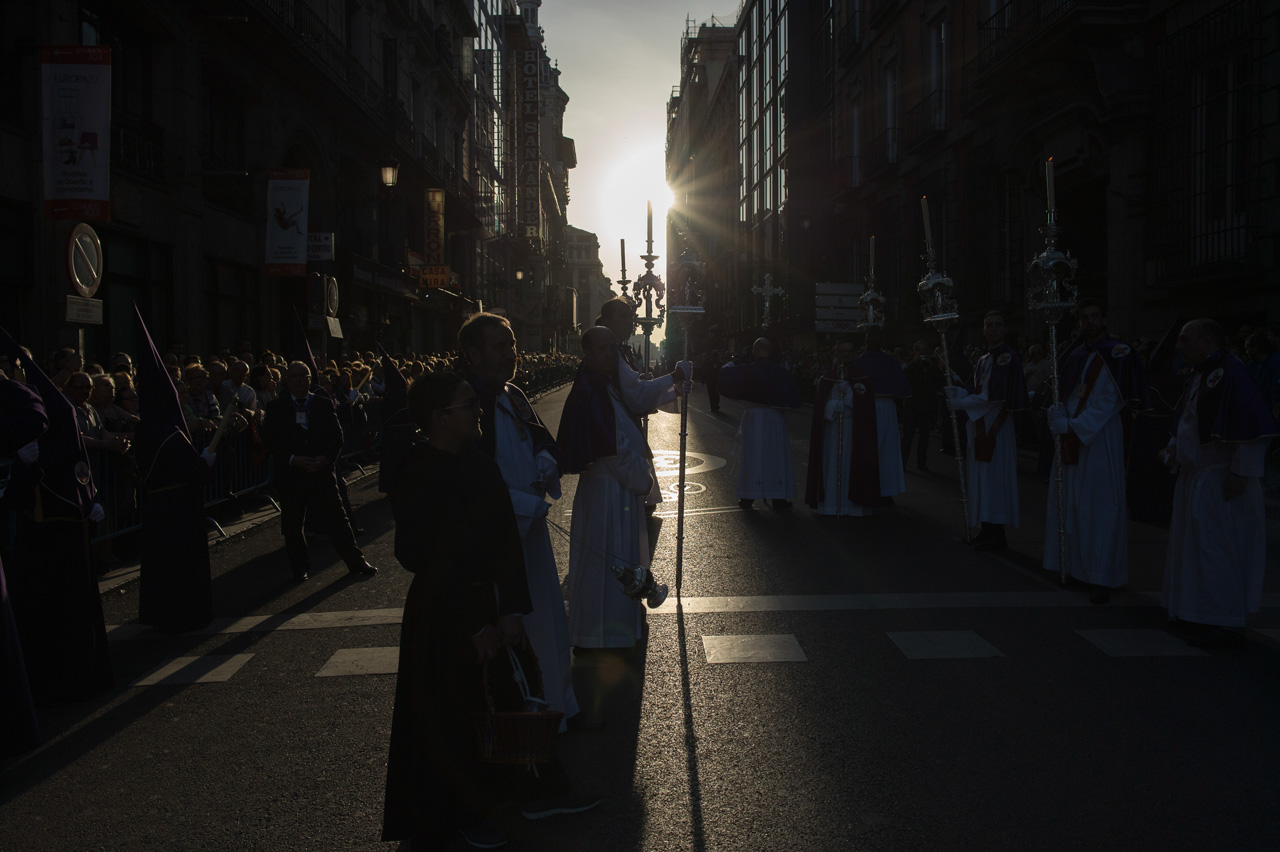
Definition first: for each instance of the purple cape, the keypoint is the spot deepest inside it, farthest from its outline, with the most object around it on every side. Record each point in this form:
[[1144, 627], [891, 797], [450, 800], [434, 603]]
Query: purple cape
[[862, 477], [588, 430], [63, 466], [1007, 384], [762, 382], [1121, 361], [1229, 406], [885, 372]]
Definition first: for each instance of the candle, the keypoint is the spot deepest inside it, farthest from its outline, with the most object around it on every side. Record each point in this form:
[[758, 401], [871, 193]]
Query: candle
[[649, 206], [624, 257], [928, 231], [1048, 185], [873, 255]]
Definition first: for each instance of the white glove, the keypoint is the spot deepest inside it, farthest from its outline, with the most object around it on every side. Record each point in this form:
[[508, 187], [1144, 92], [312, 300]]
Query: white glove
[[1058, 422], [550, 473], [686, 367], [955, 397], [209, 456], [97, 513], [29, 453]]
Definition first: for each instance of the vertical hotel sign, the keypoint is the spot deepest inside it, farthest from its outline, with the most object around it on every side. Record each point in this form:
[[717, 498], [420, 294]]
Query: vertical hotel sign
[[434, 273], [287, 221], [529, 160], [76, 95]]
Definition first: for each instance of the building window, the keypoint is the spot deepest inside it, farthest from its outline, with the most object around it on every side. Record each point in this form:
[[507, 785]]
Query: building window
[[232, 297]]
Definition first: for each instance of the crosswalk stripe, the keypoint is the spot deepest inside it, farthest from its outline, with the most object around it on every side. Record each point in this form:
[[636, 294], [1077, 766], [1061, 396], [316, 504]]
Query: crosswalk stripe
[[362, 661], [779, 648], [210, 668], [1140, 643], [943, 645]]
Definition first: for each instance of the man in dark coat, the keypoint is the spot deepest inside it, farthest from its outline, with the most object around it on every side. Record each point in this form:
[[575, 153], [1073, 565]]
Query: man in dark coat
[[175, 584], [302, 434], [920, 410]]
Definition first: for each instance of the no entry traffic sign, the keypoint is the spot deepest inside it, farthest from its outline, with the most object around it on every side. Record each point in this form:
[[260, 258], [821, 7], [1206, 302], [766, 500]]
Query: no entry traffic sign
[[84, 261]]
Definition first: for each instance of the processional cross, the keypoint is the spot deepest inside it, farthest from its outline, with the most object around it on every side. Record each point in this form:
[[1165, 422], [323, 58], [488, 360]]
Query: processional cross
[[767, 291]]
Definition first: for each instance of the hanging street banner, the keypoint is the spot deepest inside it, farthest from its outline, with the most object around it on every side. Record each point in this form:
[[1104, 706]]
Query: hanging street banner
[[287, 221], [434, 249], [75, 85], [528, 149]]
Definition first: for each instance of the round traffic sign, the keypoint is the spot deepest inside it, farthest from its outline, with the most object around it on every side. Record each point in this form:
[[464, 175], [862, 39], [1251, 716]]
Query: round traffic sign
[[84, 261], [330, 296]]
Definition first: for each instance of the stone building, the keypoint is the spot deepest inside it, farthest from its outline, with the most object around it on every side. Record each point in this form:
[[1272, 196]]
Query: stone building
[[206, 99]]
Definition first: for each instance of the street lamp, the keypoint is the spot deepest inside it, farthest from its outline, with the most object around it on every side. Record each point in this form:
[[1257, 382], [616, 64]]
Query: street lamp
[[390, 169]]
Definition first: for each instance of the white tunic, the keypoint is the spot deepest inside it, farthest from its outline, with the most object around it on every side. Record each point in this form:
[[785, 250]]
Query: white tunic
[[546, 626], [609, 529], [643, 397], [1217, 548], [892, 479], [1096, 517], [764, 456], [993, 485], [835, 455]]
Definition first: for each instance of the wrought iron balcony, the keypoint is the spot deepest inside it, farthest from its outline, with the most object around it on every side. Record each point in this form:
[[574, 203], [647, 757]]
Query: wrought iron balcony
[[1018, 24], [926, 120], [137, 145]]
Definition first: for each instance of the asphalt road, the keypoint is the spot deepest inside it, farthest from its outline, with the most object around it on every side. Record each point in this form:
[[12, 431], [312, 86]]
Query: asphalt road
[[927, 697]]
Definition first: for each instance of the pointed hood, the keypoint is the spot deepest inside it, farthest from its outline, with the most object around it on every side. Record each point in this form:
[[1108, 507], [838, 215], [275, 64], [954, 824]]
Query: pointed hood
[[63, 460], [158, 404]]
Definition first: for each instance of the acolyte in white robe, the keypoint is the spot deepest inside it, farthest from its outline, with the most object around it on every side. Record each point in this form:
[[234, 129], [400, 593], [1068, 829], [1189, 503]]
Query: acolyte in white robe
[[547, 625], [643, 397], [993, 485], [835, 455], [892, 479], [1096, 517], [764, 456], [608, 529], [1217, 547]]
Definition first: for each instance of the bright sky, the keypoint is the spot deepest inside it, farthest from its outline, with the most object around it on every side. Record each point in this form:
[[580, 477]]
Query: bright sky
[[619, 60]]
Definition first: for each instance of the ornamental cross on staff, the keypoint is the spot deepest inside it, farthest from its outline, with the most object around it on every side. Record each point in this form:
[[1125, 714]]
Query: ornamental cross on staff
[[767, 291]]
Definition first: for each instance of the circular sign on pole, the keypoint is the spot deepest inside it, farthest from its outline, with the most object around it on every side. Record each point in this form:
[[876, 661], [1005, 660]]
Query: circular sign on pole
[[84, 261], [330, 296]]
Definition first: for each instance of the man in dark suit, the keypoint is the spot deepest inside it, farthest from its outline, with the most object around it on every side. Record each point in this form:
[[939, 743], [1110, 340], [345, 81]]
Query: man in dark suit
[[302, 434]]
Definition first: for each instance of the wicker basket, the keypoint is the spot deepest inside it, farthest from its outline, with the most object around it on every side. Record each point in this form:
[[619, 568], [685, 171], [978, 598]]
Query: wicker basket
[[521, 737]]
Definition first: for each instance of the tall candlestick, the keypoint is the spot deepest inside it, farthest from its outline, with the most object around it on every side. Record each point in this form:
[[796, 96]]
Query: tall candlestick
[[649, 206], [873, 256], [928, 231], [1048, 185], [624, 258]]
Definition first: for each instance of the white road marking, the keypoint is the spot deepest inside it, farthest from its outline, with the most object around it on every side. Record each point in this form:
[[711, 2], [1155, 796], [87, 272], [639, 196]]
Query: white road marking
[[1140, 643], [780, 648], [943, 645], [361, 661], [211, 668]]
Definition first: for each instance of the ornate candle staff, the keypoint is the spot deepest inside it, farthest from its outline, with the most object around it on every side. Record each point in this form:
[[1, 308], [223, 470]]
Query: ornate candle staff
[[649, 287], [1051, 292], [691, 308], [937, 294]]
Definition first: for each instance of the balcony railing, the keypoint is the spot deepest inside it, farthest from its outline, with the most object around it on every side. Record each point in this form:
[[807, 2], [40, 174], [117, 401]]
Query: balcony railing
[[137, 145], [1019, 22], [926, 120], [884, 151]]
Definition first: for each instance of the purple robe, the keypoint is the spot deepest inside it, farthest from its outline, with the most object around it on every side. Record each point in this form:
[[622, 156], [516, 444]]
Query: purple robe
[[1121, 361], [762, 382], [1007, 383], [588, 430], [1229, 406], [885, 372]]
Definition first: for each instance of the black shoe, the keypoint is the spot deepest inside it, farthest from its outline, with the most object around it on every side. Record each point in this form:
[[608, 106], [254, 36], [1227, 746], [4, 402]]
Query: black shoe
[[362, 567], [781, 505], [744, 503], [1099, 594], [301, 575], [485, 834], [991, 543]]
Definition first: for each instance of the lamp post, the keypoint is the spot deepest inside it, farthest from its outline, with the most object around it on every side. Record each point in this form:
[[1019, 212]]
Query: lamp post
[[1051, 292]]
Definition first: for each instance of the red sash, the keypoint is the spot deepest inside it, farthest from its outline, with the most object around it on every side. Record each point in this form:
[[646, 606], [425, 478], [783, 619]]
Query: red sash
[[984, 443]]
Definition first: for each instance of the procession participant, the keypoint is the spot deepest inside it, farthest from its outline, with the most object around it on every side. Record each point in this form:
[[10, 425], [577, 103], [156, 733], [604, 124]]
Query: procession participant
[[1217, 538], [993, 394], [301, 431], [52, 588], [711, 365], [175, 584], [920, 410], [843, 448], [1100, 378], [599, 440], [764, 462], [22, 422], [512, 435], [641, 396], [890, 384]]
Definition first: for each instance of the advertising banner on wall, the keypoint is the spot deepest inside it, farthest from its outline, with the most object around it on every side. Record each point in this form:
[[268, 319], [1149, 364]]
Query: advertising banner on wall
[[528, 153], [287, 221], [434, 253], [75, 87]]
